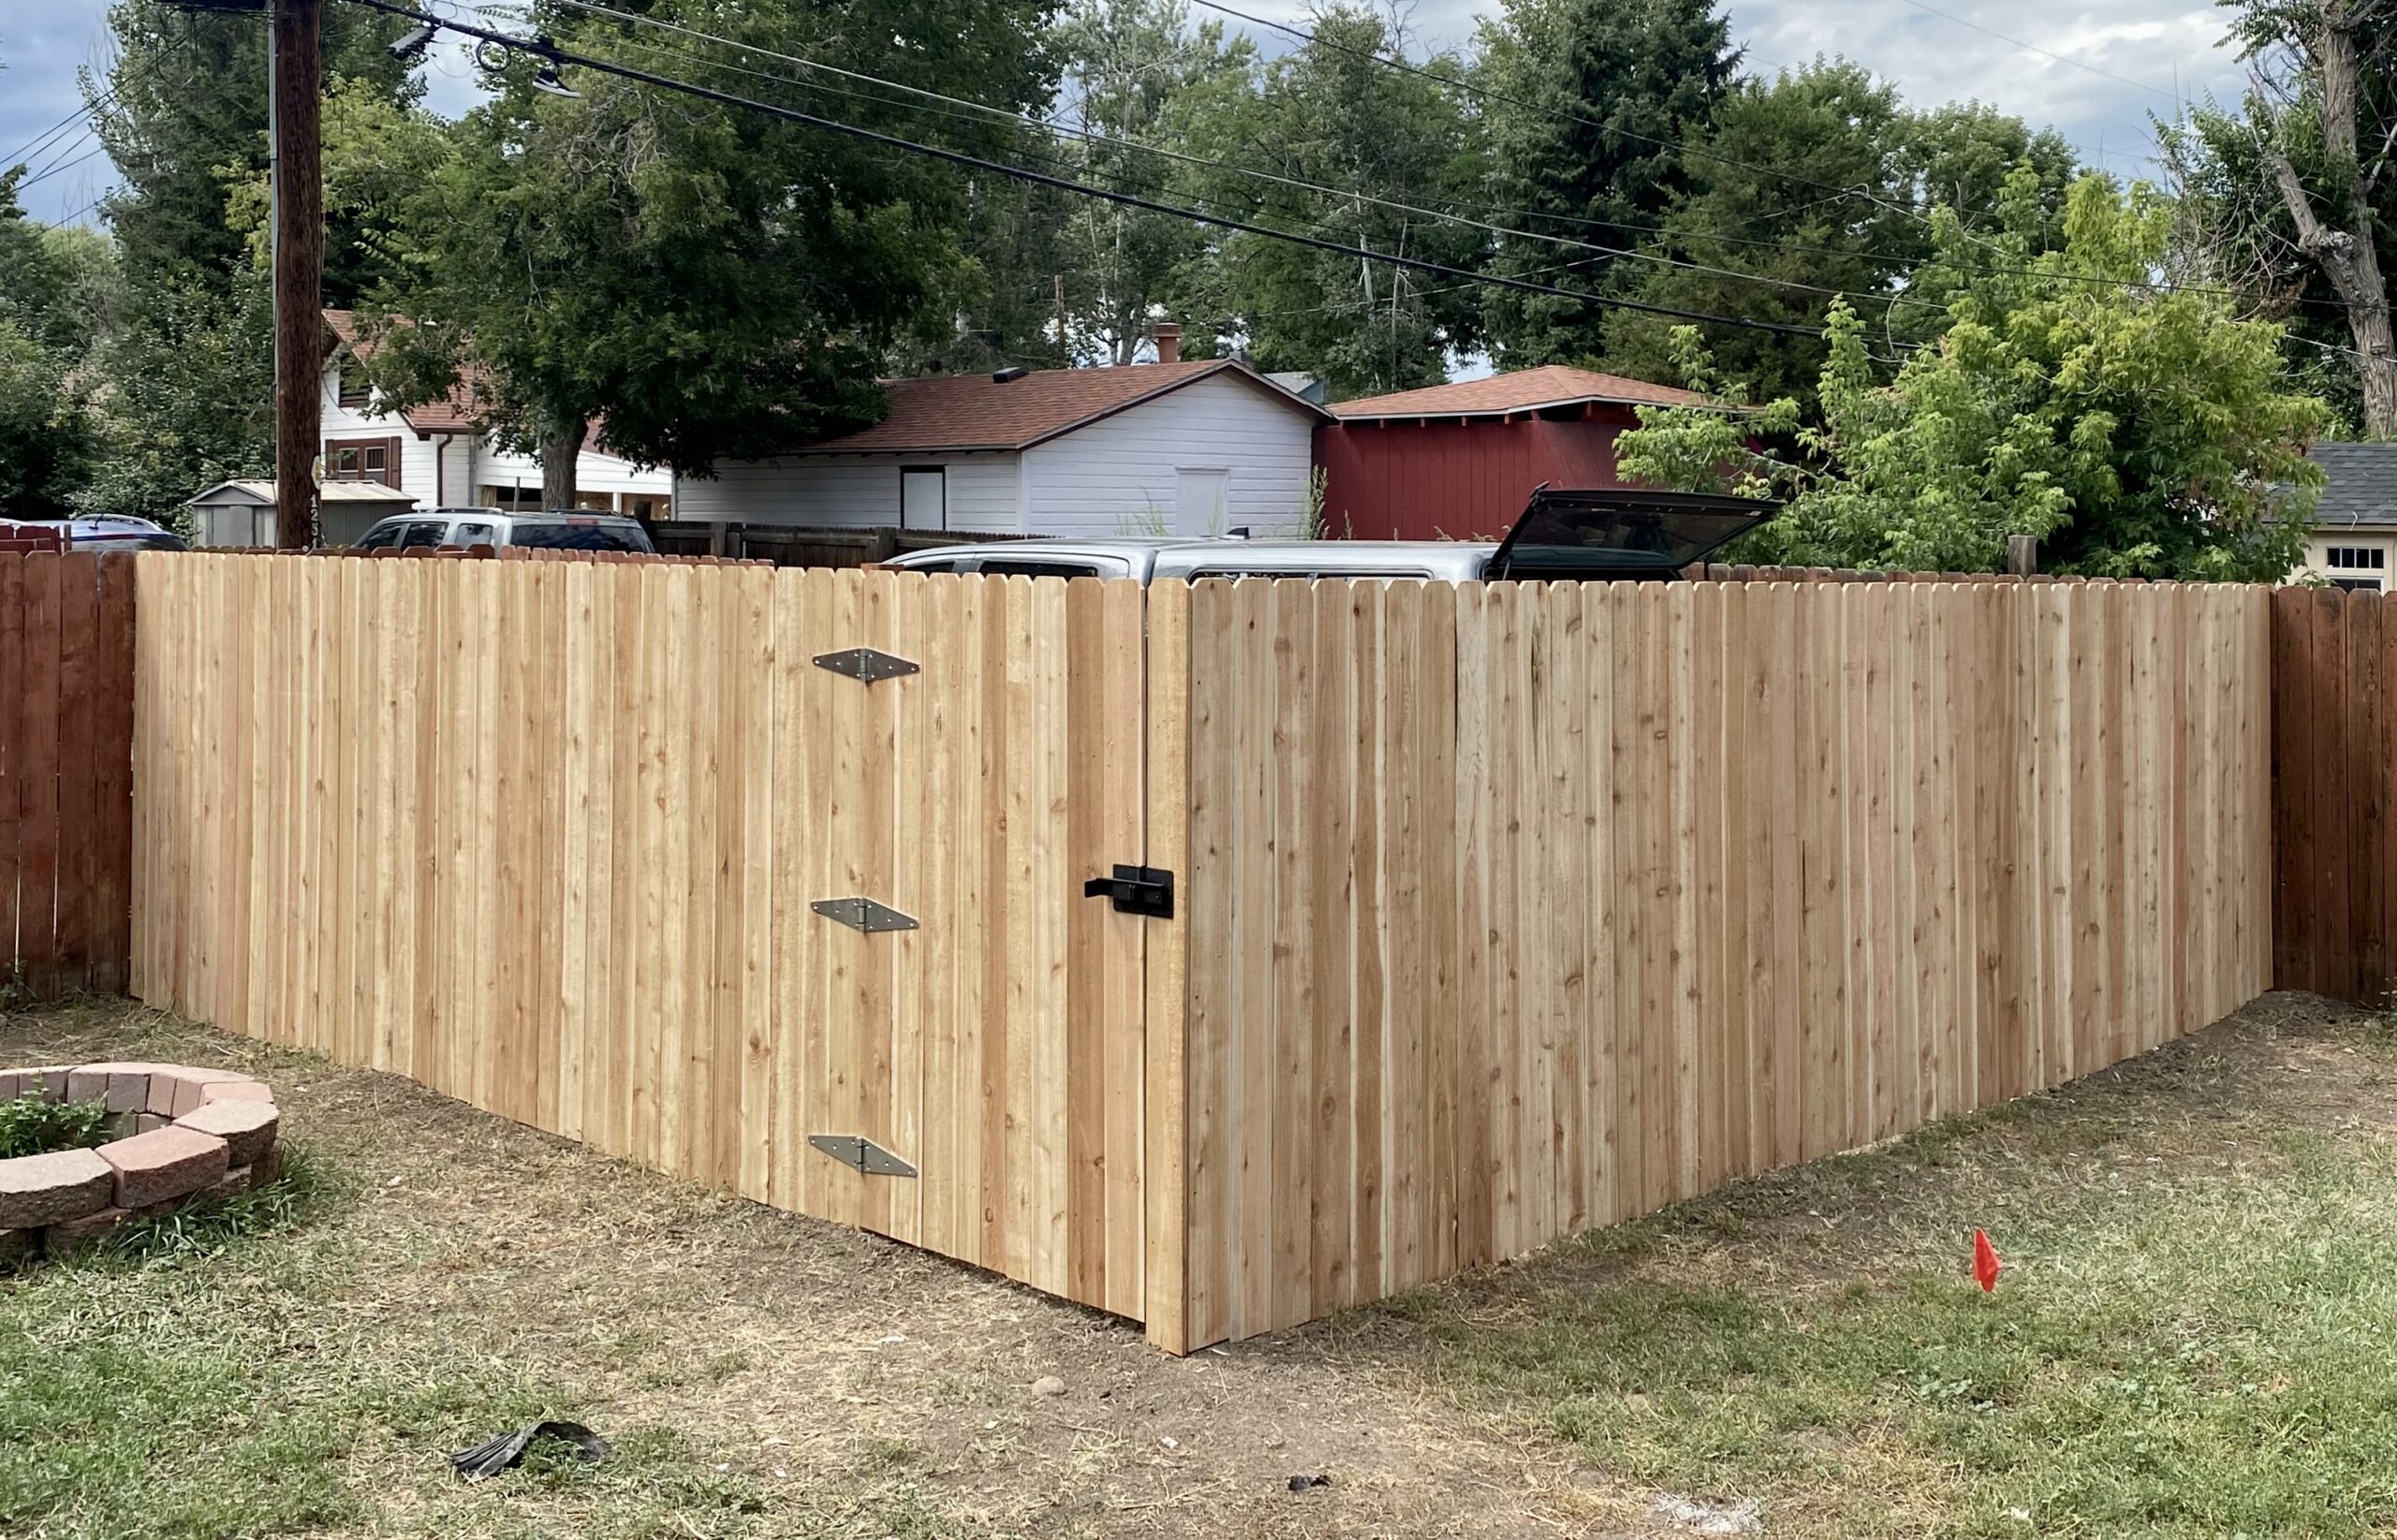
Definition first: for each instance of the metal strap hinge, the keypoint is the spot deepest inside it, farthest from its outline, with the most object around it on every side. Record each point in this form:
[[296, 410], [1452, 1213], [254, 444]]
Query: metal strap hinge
[[1136, 890], [863, 915], [864, 663], [863, 1154]]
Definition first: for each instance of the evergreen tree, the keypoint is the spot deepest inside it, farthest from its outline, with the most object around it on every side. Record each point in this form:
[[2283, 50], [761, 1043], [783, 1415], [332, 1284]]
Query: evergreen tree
[[1591, 103], [1757, 213]]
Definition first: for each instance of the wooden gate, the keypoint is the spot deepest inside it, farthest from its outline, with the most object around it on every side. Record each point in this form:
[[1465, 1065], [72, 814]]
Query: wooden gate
[[584, 843]]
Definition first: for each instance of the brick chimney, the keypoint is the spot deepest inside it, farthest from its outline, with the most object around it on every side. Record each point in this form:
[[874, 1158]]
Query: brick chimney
[[1169, 334]]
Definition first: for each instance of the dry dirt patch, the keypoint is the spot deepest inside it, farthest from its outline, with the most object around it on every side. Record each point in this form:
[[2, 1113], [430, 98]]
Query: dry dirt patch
[[798, 1354]]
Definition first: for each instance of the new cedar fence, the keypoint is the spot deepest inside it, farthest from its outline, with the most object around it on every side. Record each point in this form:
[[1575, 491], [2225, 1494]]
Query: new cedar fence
[[65, 770], [1501, 911], [1515, 909]]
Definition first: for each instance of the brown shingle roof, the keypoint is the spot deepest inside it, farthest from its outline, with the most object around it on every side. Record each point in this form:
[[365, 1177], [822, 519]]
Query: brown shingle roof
[[454, 413], [958, 413], [1523, 391]]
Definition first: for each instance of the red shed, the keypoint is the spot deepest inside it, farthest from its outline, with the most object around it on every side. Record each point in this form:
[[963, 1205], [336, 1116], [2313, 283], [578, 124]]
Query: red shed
[[1459, 462]]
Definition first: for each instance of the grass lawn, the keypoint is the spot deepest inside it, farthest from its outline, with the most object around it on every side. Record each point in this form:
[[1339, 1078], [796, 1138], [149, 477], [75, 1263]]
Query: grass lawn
[[2194, 1338], [2197, 1334]]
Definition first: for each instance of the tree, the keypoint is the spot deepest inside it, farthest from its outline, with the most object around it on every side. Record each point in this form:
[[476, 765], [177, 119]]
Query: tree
[[176, 333], [709, 281], [45, 433], [51, 287], [1590, 103], [184, 114], [2320, 66], [1757, 212], [1131, 70], [2137, 430], [1326, 116]]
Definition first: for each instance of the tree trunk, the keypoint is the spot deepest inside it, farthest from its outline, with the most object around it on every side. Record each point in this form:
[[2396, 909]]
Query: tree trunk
[[561, 442], [2347, 257]]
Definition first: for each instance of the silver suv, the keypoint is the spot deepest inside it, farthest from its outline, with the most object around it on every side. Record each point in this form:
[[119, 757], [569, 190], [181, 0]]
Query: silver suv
[[463, 527], [1608, 534]]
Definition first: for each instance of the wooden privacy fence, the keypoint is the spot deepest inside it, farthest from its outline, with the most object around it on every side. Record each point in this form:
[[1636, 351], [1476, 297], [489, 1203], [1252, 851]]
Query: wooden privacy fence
[[2334, 731], [1517, 909], [66, 772], [1499, 911]]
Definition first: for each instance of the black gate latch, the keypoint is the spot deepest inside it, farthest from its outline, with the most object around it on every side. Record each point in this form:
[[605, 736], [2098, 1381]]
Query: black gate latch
[[1136, 890]]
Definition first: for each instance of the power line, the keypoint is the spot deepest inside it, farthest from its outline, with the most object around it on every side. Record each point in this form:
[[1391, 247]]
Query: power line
[[2044, 54], [1450, 83], [56, 168], [1898, 263], [1186, 158], [41, 140], [557, 55]]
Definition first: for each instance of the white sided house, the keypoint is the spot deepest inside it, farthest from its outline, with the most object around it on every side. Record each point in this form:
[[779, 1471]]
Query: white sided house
[[1185, 449], [434, 456]]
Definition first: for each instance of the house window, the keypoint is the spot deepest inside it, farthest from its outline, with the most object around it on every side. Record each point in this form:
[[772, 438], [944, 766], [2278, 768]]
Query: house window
[[2357, 567], [365, 460], [354, 391]]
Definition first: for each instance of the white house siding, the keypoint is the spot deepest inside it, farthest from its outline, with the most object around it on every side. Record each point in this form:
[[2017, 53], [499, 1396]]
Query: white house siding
[[984, 491], [1118, 475], [451, 469]]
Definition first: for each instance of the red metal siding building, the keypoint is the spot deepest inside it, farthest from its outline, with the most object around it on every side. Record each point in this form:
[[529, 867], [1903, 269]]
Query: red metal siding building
[[1458, 461]]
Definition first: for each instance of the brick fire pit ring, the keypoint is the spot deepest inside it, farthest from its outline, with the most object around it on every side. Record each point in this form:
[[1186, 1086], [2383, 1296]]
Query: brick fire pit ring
[[185, 1137]]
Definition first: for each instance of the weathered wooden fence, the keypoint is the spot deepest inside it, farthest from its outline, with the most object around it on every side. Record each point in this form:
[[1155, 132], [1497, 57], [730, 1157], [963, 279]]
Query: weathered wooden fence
[[2334, 730], [1503, 910], [66, 772]]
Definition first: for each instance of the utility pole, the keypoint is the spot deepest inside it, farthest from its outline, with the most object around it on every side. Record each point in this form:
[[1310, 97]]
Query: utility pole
[[294, 129]]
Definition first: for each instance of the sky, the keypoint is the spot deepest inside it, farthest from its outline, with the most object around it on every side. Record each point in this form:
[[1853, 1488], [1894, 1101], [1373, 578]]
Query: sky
[[2095, 71]]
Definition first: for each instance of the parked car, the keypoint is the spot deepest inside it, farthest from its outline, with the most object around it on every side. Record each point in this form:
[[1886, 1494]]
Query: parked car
[[461, 527], [1612, 534], [106, 532]]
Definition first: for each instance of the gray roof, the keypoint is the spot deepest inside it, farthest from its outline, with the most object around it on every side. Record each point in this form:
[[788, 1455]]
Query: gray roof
[[2363, 488]]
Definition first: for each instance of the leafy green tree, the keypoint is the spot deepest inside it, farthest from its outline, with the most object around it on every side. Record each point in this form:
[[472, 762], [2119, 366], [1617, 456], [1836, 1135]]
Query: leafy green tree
[[48, 279], [185, 394], [1326, 116], [175, 328], [711, 281], [1590, 102], [45, 433], [184, 114], [2135, 429], [1761, 243]]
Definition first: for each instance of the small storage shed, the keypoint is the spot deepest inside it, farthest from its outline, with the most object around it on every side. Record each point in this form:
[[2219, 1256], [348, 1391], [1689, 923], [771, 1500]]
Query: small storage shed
[[241, 513], [1458, 461], [1180, 447]]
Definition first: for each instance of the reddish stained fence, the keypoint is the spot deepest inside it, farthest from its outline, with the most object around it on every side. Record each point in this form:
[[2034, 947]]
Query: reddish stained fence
[[65, 769], [2334, 757]]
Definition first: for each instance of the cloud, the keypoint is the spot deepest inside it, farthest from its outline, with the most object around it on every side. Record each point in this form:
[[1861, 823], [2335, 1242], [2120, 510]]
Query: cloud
[[2161, 47], [41, 47]]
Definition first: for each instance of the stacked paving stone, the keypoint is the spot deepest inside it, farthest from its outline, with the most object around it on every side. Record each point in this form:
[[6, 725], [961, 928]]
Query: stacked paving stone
[[185, 1136]]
